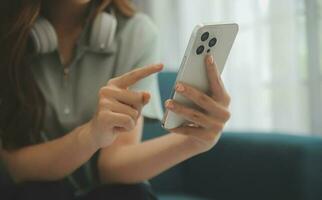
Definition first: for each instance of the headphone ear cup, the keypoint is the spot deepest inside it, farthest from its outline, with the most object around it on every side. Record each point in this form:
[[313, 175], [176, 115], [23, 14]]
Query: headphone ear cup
[[103, 32], [44, 36]]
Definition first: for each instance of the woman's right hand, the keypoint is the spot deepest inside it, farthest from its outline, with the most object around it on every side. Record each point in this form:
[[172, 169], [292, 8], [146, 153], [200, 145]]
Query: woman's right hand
[[119, 108]]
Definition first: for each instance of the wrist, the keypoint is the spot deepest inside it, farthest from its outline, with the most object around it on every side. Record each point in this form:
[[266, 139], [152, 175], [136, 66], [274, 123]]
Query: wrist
[[190, 144], [87, 138]]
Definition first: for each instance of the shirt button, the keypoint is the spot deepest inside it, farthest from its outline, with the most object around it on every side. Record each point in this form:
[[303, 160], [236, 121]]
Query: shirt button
[[66, 111], [102, 46]]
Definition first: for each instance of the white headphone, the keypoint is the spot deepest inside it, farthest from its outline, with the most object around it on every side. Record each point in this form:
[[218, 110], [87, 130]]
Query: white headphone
[[102, 34]]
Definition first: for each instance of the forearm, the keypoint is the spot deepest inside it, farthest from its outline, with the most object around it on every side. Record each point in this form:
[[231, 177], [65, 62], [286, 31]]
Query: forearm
[[139, 162], [51, 160]]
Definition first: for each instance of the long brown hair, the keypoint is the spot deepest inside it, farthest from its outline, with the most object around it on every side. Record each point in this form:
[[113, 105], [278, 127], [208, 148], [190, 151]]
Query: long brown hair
[[21, 101]]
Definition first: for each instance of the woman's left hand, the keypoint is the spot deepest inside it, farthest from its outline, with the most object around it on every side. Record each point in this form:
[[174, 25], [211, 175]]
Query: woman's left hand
[[207, 125]]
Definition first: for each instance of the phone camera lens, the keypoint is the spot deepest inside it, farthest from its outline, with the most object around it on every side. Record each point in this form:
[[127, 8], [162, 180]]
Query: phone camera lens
[[200, 49], [212, 42], [204, 36]]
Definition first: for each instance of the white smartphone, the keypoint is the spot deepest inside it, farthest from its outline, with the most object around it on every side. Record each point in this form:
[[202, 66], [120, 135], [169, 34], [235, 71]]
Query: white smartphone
[[215, 39]]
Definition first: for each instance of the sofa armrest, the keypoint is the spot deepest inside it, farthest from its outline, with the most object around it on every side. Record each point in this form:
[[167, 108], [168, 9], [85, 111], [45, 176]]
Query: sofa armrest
[[258, 166]]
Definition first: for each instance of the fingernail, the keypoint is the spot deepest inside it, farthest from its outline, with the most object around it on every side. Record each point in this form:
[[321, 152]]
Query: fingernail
[[180, 87], [159, 67], [169, 104], [146, 97], [210, 60]]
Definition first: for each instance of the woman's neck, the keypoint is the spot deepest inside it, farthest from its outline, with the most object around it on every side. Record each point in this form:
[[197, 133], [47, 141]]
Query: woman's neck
[[66, 14]]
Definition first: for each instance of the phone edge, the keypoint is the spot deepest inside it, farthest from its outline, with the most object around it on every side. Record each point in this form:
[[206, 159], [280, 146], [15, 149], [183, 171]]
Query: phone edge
[[180, 71]]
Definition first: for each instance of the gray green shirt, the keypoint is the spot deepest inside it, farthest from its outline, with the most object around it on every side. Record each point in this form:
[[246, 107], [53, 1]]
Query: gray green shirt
[[72, 101]]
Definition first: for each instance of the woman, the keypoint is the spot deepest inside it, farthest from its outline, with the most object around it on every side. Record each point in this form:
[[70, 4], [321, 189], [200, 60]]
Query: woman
[[70, 126]]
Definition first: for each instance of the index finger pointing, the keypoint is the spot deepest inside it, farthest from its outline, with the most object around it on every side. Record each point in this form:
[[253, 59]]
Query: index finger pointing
[[136, 75]]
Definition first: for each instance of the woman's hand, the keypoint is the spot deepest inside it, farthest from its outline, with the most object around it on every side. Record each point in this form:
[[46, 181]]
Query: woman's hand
[[206, 126], [119, 108]]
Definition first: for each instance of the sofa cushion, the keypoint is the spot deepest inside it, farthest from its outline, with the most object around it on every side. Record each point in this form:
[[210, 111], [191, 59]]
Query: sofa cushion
[[179, 197]]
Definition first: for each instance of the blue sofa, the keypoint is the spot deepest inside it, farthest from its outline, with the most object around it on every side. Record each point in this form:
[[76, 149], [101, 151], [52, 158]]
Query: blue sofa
[[242, 166], [250, 166]]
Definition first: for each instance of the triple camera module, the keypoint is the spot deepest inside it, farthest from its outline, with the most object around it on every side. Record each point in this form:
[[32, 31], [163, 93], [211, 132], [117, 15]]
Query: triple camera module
[[212, 42]]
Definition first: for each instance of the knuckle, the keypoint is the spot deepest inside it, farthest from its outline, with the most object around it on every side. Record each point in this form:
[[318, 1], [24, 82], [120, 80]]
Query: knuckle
[[112, 81], [227, 98], [105, 92], [128, 122], [187, 89], [227, 115], [195, 115], [103, 103], [218, 126], [135, 114], [202, 98], [112, 92], [101, 92]]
